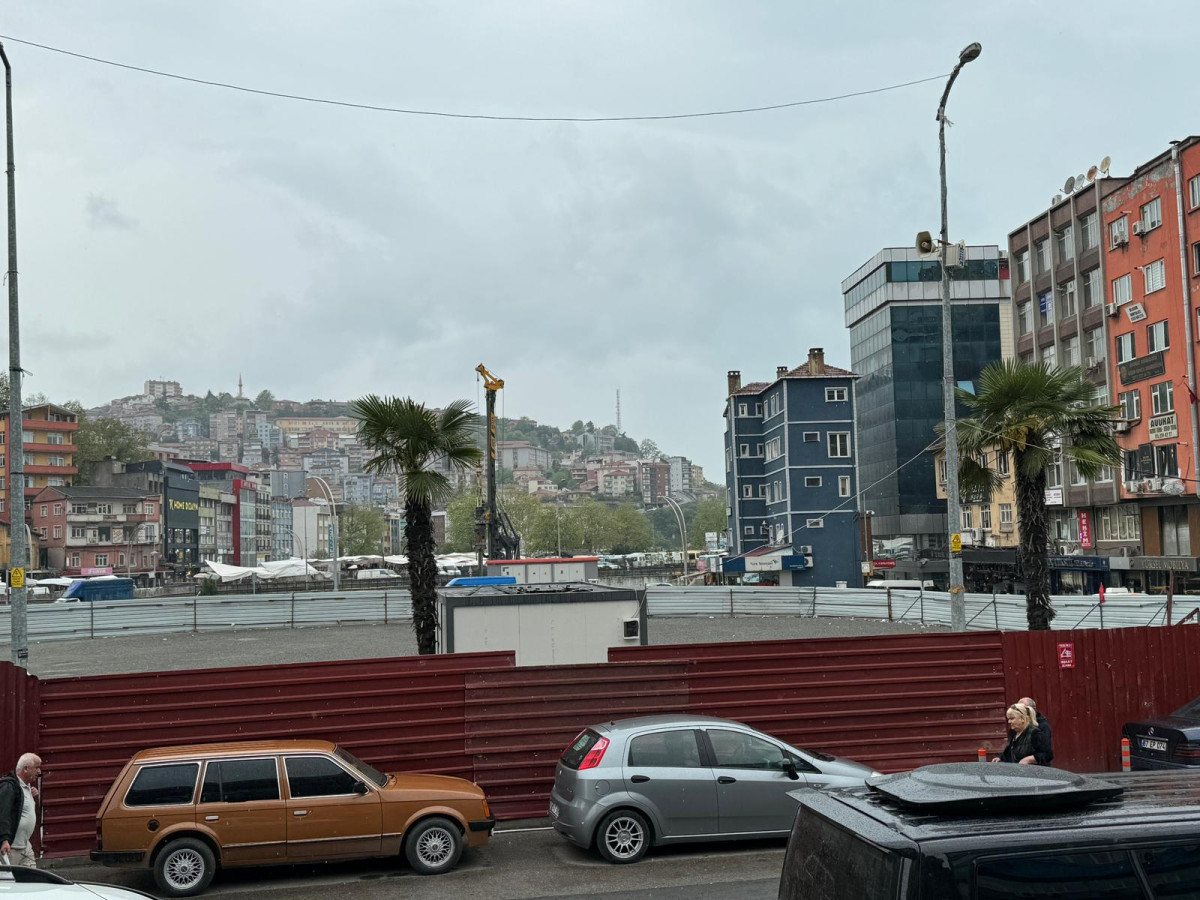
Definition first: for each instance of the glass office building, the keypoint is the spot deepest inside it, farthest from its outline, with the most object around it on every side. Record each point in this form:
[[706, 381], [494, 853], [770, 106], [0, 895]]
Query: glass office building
[[893, 311]]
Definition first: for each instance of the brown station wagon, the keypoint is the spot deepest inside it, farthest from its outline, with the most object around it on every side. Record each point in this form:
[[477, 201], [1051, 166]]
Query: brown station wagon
[[184, 811]]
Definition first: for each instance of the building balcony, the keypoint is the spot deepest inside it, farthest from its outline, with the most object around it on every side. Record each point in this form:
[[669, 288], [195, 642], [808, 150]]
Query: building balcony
[[116, 544], [56, 449], [44, 425], [117, 518], [51, 470]]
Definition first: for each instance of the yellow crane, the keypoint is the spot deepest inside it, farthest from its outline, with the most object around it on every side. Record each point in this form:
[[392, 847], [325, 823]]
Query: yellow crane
[[493, 528]]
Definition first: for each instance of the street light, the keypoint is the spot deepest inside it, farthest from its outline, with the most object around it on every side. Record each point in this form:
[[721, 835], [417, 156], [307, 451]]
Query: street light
[[337, 566], [958, 608], [303, 549], [678, 510]]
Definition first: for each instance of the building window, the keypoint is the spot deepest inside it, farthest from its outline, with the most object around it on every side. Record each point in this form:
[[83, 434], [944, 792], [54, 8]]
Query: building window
[[814, 523], [104, 509], [1002, 462], [1089, 231], [743, 409], [1156, 337], [1194, 192], [58, 509], [1054, 473], [812, 437], [75, 560], [812, 480], [1176, 534], [45, 510], [1049, 357], [57, 532], [1045, 308], [774, 448], [839, 444], [1066, 299], [747, 529], [1105, 475], [1118, 232], [1166, 465], [758, 409], [1076, 476], [1150, 215], [835, 395], [747, 491], [1093, 291], [102, 559], [1122, 290], [79, 509], [843, 485], [1065, 244], [1095, 347], [968, 517], [1131, 405], [1041, 252], [744, 450], [1022, 260], [78, 533], [1131, 466], [1196, 258], [1006, 514], [1070, 350], [1156, 276], [985, 518], [54, 438], [762, 492], [1024, 324], [1162, 397], [1125, 347]]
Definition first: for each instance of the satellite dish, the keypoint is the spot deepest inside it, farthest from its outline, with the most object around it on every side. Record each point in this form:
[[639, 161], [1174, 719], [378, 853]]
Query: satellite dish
[[1070, 185], [1079, 182], [1091, 173], [1104, 164]]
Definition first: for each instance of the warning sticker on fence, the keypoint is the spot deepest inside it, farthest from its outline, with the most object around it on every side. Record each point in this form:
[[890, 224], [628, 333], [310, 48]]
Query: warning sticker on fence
[[1066, 656]]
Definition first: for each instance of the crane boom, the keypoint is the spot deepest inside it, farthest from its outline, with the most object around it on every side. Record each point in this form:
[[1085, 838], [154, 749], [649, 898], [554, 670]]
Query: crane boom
[[492, 526]]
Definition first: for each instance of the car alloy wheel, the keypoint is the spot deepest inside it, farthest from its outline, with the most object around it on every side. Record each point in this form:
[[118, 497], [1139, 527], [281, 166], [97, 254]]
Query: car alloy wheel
[[185, 867], [435, 846], [625, 837]]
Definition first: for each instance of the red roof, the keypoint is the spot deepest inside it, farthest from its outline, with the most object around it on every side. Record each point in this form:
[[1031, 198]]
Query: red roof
[[830, 372]]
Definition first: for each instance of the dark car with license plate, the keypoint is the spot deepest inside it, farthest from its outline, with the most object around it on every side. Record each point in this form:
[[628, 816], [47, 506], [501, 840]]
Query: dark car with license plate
[[1169, 742], [997, 831]]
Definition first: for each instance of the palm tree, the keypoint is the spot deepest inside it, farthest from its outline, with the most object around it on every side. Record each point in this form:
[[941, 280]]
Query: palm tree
[[407, 438], [1038, 414]]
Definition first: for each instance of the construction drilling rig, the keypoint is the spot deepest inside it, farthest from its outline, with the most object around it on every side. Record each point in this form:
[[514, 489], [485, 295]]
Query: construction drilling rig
[[494, 530]]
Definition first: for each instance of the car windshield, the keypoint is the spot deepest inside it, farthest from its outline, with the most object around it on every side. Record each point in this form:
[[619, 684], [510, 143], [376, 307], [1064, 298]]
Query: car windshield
[[1189, 710], [371, 772]]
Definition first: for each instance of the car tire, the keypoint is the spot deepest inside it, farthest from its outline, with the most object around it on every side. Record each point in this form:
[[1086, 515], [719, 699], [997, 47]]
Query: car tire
[[184, 867], [623, 836], [434, 846]]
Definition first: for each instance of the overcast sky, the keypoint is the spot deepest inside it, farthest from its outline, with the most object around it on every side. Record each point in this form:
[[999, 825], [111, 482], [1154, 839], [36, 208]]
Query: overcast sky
[[172, 230]]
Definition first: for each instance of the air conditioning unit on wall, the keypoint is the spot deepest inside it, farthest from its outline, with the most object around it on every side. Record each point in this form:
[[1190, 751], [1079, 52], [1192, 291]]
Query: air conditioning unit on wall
[[1133, 487], [1110, 310]]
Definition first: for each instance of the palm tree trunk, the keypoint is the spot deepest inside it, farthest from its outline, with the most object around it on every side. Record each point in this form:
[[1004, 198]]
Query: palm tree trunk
[[422, 574], [1031, 509]]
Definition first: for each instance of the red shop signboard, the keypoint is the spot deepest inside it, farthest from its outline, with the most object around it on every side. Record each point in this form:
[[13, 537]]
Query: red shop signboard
[[1085, 529]]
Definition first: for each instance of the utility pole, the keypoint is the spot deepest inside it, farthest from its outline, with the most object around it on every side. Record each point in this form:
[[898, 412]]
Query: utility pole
[[18, 546], [958, 605]]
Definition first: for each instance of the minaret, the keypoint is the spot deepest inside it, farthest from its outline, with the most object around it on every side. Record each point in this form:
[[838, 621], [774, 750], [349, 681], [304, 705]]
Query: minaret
[[240, 385]]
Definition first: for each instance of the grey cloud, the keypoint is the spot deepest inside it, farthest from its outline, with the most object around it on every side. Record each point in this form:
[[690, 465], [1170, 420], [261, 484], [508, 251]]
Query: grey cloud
[[103, 213]]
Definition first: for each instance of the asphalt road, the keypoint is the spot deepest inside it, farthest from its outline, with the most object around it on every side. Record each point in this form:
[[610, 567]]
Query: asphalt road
[[266, 646], [517, 865]]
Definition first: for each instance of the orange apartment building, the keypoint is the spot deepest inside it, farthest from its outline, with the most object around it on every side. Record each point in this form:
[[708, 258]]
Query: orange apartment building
[[49, 432]]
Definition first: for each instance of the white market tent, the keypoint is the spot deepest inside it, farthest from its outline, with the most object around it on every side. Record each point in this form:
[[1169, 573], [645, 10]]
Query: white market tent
[[268, 571]]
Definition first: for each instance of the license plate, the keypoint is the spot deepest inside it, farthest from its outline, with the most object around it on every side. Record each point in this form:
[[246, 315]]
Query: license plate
[[553, 810], [1151, 744]]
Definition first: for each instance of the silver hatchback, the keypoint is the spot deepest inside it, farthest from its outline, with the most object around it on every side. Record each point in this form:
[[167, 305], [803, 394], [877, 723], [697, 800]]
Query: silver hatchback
[[627, 785]]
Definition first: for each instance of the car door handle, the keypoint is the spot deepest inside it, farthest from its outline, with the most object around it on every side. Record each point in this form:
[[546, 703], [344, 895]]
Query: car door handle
[[640, 779], [299, 812], [726, 779], [212, 818]]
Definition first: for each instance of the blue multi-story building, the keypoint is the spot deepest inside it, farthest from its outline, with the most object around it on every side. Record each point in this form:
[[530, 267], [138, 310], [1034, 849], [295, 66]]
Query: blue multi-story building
[[790, 450]]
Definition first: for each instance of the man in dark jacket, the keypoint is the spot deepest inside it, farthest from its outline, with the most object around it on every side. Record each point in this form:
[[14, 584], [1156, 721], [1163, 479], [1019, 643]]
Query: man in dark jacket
[[18, 810], [1043, 726]]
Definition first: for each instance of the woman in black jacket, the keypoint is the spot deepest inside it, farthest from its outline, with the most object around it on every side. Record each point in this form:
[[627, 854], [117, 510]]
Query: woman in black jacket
[[1026, 745]]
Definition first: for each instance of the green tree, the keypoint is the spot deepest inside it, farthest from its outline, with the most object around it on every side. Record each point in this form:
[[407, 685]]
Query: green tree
[[577, 427], [649, 449], [1025, 410], [709, 516], [628, 530], [100, 438], [406, 439], [591, 519], [264, 400], [361, 530], [625, 444], [460, 522]]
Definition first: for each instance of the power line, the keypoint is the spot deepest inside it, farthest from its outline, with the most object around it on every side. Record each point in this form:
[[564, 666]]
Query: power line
[[480, 116]]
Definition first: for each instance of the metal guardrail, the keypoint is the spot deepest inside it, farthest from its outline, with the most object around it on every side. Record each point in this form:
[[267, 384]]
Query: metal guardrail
[[175, 615]]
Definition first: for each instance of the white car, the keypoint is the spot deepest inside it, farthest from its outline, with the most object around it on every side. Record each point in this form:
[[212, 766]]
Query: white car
[[19, 881]]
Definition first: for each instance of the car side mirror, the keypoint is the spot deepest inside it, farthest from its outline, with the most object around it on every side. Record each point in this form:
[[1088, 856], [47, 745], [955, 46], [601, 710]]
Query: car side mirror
[[360, 787], [789, 767]]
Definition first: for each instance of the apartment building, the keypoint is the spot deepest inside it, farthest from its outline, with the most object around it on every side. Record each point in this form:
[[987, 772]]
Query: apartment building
[[49, 452], [99, 530]]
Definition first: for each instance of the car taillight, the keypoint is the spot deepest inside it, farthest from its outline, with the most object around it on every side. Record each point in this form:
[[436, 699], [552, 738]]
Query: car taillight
[[1189, 750], [595, 754], [487, 810], [99, 835]]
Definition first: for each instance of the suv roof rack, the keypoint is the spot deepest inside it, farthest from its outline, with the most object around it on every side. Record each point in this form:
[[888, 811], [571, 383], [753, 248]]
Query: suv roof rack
[[990, 787]]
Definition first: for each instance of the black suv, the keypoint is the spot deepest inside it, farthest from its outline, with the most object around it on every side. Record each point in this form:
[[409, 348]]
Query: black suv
[[987, 831]]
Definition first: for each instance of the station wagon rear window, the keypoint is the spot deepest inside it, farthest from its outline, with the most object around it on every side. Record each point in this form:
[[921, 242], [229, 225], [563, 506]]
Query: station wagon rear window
[[240, 781], [168, 785], [1092, 875]]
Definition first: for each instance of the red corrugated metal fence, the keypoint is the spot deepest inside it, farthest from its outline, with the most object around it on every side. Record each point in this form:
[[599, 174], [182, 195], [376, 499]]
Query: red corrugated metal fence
[[19, 706]]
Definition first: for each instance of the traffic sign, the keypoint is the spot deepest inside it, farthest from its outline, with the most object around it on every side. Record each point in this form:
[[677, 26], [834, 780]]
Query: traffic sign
[[16, 577], [956, 543]]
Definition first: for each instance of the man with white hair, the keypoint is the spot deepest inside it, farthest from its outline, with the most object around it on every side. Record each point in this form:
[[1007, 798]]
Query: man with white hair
[[18, 810]]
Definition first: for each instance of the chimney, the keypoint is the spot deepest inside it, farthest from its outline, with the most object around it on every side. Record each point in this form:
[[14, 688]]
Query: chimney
[[816, 361], [780, 371], [735, 381]]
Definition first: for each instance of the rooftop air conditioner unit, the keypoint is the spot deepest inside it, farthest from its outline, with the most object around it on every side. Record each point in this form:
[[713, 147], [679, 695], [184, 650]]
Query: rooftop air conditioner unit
[[1133, 487], [1139, 228], [1110, 310]]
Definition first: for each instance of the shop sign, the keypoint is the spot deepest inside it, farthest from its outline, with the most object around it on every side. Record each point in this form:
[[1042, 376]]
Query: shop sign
[[769, 563], [1085, 529], [1164, 426], [1164, 563], [710, 541], [1086, 563], [1066, 655], [1143, 367], [97, 570], [1054, 497], [885, 564]]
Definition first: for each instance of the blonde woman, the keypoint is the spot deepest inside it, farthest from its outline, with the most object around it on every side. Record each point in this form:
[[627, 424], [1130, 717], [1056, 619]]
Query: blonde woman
[[1026, 745]]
